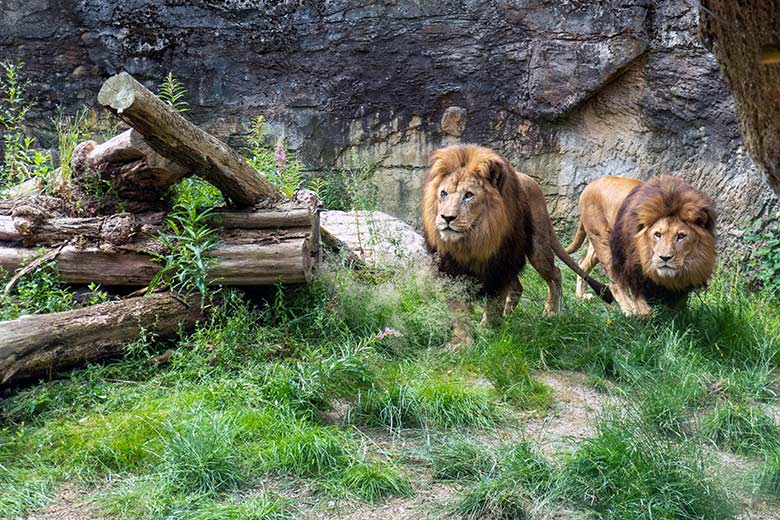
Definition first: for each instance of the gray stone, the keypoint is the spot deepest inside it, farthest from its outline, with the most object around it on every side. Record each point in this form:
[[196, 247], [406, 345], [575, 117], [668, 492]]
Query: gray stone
[[453, 122]]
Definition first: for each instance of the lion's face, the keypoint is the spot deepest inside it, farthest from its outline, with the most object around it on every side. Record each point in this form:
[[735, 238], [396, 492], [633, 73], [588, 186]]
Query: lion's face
[[677, 252], [465, 209], [672, 242], [460, 205]]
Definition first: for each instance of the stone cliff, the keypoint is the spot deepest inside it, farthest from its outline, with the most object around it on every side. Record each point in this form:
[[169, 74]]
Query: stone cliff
[[568, 90]]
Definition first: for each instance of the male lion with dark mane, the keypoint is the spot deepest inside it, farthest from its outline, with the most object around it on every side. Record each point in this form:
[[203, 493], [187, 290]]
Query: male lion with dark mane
[[656, 239], [483, 219]]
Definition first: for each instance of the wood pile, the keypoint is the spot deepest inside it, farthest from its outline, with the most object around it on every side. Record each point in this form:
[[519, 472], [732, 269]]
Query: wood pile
[[263, 237]]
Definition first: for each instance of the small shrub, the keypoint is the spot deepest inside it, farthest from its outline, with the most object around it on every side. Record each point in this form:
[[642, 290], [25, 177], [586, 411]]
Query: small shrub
[[349, 188], [766, 260], [276, 163], [374, 481], [461, 458], [39, 292], [741, 428], [186, 262], [13, 110], [197, 192]]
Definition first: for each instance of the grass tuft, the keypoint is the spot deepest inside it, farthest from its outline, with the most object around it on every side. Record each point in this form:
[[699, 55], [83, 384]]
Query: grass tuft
[[626, 473], [374, 481], [201, 456], [769, 474], [741, 428], [461, 458]]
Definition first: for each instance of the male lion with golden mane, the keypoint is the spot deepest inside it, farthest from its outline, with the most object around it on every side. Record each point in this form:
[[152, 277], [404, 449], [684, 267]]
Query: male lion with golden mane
[[656, 239], [483, 219]]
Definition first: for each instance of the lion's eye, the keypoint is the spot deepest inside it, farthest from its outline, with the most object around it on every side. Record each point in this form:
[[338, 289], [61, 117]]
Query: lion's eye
[[467, 195], [657, 234], [680, 236], [443, 193]]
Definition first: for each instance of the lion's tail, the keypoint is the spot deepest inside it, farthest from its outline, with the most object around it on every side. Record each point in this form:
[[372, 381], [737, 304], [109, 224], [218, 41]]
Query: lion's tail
[[579, 238], [601, 290]]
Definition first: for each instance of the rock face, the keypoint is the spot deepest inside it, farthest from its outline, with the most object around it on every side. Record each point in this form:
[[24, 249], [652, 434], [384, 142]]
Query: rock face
[[568, 90]]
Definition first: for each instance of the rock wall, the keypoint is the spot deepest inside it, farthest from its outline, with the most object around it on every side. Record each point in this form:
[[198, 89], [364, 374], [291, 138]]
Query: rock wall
[[568, 90]]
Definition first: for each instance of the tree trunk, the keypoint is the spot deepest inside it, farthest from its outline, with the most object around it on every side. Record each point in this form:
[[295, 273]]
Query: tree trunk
[[37, 345], [172, 136], [745, 38]]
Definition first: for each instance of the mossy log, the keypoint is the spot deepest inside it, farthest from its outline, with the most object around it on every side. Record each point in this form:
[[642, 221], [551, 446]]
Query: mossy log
[[35, 346], [173, 137]]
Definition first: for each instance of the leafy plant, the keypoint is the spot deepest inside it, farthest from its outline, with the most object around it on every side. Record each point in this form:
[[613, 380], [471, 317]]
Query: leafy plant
[[14, 106], [172, 91], [186, 262], [41, 291], [275, 162], [348, 188], [766, 260]]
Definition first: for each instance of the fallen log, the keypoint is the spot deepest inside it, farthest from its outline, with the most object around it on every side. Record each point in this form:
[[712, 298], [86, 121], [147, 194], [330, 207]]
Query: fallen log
[[175, 138], [136, 172], [37, 345]]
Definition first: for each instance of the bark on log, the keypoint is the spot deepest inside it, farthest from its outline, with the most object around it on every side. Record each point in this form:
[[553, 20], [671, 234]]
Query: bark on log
[[172, 136], [262, 247], [37, 345], [135, 170]]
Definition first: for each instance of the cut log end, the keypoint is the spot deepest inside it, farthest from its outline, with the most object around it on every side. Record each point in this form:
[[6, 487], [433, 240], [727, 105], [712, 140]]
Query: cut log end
[[118, 92]]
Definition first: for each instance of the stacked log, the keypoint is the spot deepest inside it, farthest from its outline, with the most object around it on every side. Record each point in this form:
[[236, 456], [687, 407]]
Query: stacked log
[[262, 238]]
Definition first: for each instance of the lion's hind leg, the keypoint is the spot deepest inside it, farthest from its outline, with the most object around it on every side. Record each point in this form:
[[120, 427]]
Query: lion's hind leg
[[588, 262], [544, 263]]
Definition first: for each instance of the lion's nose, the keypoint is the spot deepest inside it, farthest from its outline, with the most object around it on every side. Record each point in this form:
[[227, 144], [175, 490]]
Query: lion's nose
[[665, 258], [448, 218]]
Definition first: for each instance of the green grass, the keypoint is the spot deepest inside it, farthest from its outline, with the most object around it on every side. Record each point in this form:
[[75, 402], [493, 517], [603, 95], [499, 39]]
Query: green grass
[[461, 458], [627, 472], [513, 487], [374, 482], [769, 474], [302, 385], [740, 428]]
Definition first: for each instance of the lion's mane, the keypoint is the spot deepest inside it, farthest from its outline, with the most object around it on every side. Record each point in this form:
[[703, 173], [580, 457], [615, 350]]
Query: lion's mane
[[496, 247], [648, 202]]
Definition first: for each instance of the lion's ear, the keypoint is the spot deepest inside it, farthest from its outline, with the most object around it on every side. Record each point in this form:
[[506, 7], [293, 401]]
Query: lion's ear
[[703, 217], [498, 171]]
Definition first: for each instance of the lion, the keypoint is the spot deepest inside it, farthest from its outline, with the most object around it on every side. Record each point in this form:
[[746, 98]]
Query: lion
[[482, 219], [655, 239]]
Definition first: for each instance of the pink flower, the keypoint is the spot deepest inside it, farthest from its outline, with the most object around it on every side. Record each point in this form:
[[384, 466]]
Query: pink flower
[[281, 158], [387, 333]]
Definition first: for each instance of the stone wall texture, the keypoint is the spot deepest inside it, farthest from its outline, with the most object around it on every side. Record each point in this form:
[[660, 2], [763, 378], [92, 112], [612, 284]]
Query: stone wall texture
[[568, 90]]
